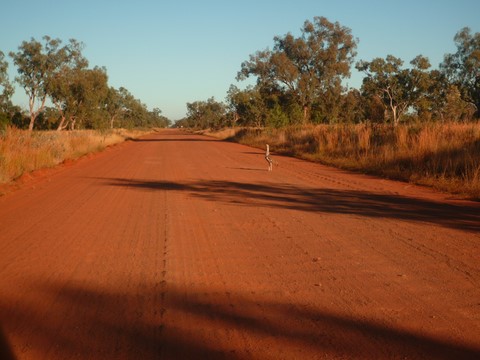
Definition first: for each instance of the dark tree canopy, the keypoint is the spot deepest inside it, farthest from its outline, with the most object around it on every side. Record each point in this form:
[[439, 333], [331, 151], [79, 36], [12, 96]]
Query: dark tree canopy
[[6, 88], [307, 67], [37, 63], [463, 67], [81, 95]]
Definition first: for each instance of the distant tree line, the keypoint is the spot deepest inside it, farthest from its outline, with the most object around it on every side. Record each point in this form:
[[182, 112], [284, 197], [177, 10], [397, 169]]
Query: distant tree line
[[64, 93], [299, 81]]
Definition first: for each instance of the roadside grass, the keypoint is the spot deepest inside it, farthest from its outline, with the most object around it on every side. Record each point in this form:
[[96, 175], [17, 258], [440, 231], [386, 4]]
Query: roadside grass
[[22, 151], [443, 156]]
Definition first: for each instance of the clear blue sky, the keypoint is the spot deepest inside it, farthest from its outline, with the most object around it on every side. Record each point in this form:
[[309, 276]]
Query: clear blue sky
[[168, 53]]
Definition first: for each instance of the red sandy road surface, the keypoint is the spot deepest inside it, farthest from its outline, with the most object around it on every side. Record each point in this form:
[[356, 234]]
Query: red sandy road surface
[[178, 246]]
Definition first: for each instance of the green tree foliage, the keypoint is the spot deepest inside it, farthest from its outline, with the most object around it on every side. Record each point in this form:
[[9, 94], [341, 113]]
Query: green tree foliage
[[89, 93], [398, 89], [309, 68], [114, 106], [205, 114], [6, 92], [6, 88], [303, 75], [133, 112], [454, 108], [77, 92], [156, 119], [463, 67], [124, 110], [352, 107], [247, 105], [385, 80], [80, 95], [298, 81], [37, 64]]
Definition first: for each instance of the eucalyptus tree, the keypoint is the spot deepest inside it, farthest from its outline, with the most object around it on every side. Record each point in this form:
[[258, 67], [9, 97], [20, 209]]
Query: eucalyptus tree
[[37, 63], [248, 106], [88, 93], [463, 67], [384, 80], [205, 114], [131, 111], [157, 119], [113, 105], [79, 94], [441, 100], [65, 82], [398, 89], [352, 107], [6, 88], [307, 67], [124, 109]]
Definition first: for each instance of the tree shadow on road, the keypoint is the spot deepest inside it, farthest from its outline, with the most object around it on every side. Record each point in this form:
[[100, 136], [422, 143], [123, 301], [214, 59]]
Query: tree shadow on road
[[88, 322], [286, 196], [5, 349]]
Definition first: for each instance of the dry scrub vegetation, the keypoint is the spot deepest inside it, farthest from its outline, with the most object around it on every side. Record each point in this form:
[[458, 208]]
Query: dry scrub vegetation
[[444, 156], [23, 151]]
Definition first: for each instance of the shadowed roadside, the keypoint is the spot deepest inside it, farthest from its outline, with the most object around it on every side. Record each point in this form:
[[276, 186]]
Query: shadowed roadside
[[158, 336], [5, 350], [286, 196]]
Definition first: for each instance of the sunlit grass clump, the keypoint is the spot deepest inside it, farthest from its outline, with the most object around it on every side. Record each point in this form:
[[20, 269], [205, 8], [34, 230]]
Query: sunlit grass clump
[[23, 151], [445, 156]]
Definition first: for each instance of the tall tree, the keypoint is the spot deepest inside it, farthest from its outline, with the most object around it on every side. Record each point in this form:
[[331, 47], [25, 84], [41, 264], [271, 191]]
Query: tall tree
[[133, 111], [113, 105], [308, 66], [6, 88], [463, 67], [79, 95], [65, 80], [88, 93], [384, 79], [37, 64], [352, 107], [398, 89], [156, 119], [205, 114], [247, 105]]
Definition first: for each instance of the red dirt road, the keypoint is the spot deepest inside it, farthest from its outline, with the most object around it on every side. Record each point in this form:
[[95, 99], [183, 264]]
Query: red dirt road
[[178, 246]]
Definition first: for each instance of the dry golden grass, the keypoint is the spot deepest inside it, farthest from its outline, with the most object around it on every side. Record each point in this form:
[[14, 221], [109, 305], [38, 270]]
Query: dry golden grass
[[23, 151], [444, 156]]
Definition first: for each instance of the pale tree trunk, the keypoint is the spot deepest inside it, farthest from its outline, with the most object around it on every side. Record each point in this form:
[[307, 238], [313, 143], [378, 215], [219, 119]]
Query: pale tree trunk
[[32, 121], [72, 123], [393, 107], [33, 113], [111, 121], [395, 115], [62, 124], [31, 103]]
